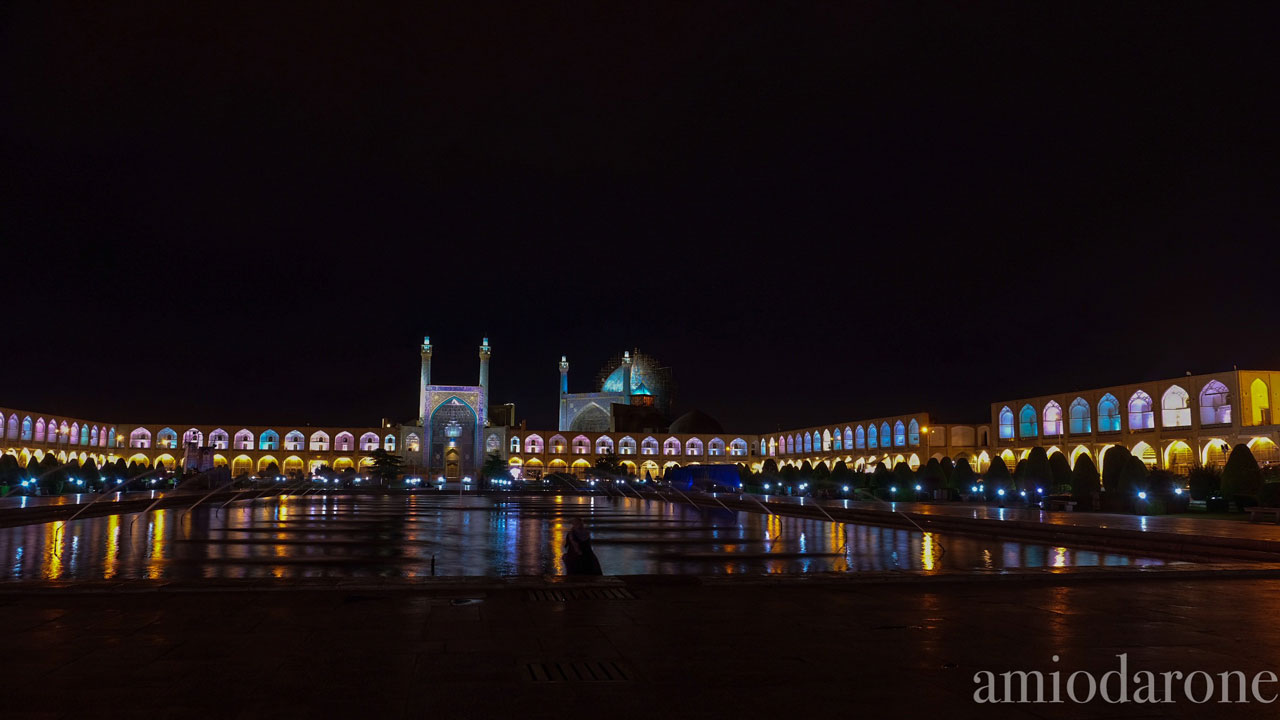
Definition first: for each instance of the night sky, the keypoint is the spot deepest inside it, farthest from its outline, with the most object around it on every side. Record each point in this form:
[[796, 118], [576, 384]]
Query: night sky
[[218, 212]]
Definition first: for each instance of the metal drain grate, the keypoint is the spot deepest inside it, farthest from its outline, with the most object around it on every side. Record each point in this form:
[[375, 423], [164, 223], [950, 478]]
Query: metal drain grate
[[580, 594], [580, 671]]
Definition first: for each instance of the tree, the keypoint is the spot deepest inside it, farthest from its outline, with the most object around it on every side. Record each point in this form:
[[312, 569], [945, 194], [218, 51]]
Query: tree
[[494, 468], [1241, 478], [948, 468], [821, 476], [1085, 482], [1060, 469], [905, 477], [386, 466], [997, 476], [10, 471], [1114, 461], [271, 471], [841, 475], [1204, 483], [1133, 477], [608, 464], [92, 478], [881, 477], [931, 475], [962, 477]]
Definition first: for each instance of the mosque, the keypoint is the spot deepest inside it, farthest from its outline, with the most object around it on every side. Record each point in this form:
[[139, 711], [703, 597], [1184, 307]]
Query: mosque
[[1175, 423]]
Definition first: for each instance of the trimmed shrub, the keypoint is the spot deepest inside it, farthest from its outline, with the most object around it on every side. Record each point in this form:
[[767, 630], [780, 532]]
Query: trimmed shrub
[[1035, 471], [1086, 486], [962, 477], [1114, 462], [1241, 478], [1060, 469], [997, 476]]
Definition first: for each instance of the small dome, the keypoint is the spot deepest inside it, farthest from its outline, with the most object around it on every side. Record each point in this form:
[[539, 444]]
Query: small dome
[[695, 422]]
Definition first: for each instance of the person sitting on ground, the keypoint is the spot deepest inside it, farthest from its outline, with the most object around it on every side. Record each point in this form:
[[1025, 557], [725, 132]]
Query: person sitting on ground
[[578, 556]]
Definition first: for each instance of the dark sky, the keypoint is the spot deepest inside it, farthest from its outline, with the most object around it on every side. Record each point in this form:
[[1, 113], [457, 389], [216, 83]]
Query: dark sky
[[812, 212]]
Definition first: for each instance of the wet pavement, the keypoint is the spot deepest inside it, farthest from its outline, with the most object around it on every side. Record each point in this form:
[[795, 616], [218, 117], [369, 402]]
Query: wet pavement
[[411, 536], [636, 648]]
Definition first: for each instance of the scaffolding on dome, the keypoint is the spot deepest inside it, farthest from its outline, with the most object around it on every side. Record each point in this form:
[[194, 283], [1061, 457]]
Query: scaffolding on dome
[[649, 379]]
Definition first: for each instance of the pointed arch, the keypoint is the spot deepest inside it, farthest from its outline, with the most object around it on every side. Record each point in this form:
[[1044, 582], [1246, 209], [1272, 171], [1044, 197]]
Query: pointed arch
[[533, 444], [369, 441], [267, 461], [26, 429], [243, 439], [1052, 419], [860, 438], [1006, 423], [269, 440], [74, 437], [899, 434], [12, 432], [1175, 408], [1145, 452], [826, 440], [1077, 452], [1080, 422], [1264, 451], [295, 440], [319, 441], [1141, 412], [1028, 425], [873, 436], [848, 438], [242, 465], [886, 435], [558, 444], [808, 443], [1215, 404], [193, 435], [648, 447], [913, 433], [1179, 458], [344, 442], [604, 445], [1108, 414]]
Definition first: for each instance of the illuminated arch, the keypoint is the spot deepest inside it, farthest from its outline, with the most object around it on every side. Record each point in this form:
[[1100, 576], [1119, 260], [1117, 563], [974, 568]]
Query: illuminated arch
[[319, 441], [39, 432], [26, 429], [1175, 408], [604, 445], [693, 446], [650, 468], [648, 447], [1028, 425], [219, 439], [269, 440], [167, 438], [219, 460], [12, 432], [738, 448], [629, 467], [848, 438], [557, 446], [715, 447], [533, 465], [342, 463], [808, 443], [1215, 404], [344, 442], [668, 465], [293, 465], [826, 440], [1079, 421], [581, 445], [899, 434], [1009, 460], [1141, 412], [913, 462], [533, 444], [1108, 414], [1052, 419], [1146, 453], [873, 437], [558, 466], [671, 446], [243, 439], [913, 433], [1260, 402], [74, 437], [886, 436], [193, 435], [389, 443], [1006, 423], [369, 442], [1077, 452], [860, 438], [1179, 458], [365, 462], [1264, 450], [580, 467], [267, 461], [140, 438], [242, 465], [294, 440], [140, 459], [413, 443]]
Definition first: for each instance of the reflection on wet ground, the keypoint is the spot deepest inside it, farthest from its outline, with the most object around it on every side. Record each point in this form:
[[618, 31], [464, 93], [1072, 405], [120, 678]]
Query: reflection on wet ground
[[414, 536]]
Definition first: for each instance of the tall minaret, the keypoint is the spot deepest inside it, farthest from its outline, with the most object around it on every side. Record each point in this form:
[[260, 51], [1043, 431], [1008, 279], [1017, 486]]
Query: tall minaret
[[626, 375], [564, 375], [484, 367], [426, 379]]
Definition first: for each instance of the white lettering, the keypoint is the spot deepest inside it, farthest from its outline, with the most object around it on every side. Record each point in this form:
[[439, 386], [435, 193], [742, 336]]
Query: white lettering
[[990, 687], [1123, 675], [1071, 686], [1208, 686], [1257, 694]]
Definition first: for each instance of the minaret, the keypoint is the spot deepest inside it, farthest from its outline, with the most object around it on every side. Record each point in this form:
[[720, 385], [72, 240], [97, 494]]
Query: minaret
[[564, 392], [626, 375], [426, 379], [484, 367]]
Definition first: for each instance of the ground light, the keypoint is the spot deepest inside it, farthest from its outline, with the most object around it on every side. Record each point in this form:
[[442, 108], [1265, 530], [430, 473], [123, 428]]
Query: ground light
[[1142, 495]]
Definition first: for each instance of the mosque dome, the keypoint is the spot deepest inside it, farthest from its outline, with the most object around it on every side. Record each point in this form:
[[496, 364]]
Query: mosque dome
[[641, 378], [695, 422]]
